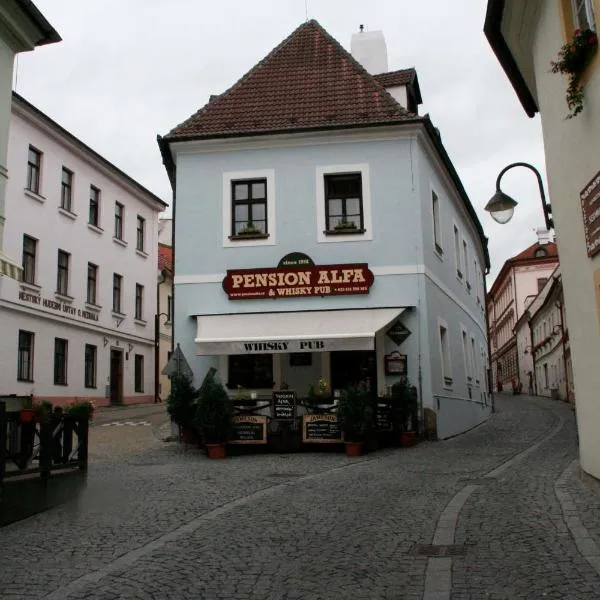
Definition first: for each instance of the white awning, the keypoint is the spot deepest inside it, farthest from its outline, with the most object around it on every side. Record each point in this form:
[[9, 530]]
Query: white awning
[[309, 331], [9, 267]]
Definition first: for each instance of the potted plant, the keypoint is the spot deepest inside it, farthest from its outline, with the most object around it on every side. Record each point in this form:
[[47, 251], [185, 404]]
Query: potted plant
[[181, 405], [80, 409], [249, 229], [573, 58], [405, 407], [355, 414], [214, 417], [27, 412], [42, 411], [344, 224]]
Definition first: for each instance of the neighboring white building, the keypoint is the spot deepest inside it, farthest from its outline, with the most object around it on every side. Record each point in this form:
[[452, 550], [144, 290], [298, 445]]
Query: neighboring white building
[[164, 315], [81, 323], [321, 232], [526, 37], [165, 225], [22, 28]]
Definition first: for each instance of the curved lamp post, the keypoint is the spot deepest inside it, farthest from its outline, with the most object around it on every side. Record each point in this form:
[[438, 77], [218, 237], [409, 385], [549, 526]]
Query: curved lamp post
[[502, 207], [157, 353]]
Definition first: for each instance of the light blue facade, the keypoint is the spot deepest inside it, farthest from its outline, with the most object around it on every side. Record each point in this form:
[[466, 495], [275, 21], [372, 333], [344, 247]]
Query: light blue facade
[[402, 170]]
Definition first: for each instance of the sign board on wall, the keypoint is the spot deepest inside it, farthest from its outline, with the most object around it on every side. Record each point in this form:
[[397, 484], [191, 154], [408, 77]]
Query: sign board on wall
[[590, 207], [321, 429], [249, 429], [298, 279]]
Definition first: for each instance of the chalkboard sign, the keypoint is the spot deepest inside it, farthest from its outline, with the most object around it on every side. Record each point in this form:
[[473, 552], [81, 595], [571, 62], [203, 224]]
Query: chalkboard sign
[[383, 417], [249, 429], [284, 405], [321, 429]]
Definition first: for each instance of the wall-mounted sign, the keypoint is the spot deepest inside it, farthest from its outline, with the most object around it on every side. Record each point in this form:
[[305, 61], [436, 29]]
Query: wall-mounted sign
[[298, 280], [321, 429], [284, 405], [296, 259], [398, 333], [55, 305], [249, 429], [395, 364], [590, 206]]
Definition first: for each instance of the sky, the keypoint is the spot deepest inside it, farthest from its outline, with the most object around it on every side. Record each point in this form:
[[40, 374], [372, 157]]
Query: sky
[[128, 70]]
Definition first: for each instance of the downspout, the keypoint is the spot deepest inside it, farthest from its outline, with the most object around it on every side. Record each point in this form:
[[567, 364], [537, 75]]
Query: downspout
[[533, 359], [564, 351], [489, 344]]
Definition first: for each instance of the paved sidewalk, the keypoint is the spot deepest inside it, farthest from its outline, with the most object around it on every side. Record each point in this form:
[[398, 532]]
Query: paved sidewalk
[[506, 504]]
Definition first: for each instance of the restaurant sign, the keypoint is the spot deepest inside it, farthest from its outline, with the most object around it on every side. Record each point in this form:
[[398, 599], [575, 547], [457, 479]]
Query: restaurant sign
[[590, 206], [293, 281]]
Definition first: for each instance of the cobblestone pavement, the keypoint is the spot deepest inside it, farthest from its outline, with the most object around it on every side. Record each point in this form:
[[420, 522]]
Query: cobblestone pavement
[[167, 523]]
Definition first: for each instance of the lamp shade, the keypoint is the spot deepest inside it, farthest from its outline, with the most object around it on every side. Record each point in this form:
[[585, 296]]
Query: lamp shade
[[501, 207]]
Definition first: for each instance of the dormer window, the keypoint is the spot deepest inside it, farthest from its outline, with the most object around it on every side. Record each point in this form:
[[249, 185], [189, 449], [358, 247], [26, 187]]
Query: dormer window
[[540, 253]]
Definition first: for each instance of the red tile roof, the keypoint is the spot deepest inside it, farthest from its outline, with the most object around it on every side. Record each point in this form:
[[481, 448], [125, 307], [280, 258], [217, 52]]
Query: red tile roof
[[165, 258], [309, 81], [401, 77], [529, 253]]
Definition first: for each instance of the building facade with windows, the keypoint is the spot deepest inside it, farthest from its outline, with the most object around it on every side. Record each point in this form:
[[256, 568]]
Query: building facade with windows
[[520, 280], [164, 315], [526, 37], [22, 29], [81, 321], [322, 234]]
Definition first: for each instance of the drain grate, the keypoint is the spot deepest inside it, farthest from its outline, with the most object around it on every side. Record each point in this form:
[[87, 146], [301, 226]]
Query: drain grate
[[431, 550]]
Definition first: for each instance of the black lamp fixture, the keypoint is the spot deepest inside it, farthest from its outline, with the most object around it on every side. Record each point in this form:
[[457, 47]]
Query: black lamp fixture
[[502, 207]]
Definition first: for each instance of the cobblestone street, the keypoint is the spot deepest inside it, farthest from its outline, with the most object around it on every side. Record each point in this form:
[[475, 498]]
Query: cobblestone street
[[502, 512]]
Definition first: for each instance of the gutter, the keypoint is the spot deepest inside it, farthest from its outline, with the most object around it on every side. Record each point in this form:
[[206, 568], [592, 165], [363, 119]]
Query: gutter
[[50, 35]]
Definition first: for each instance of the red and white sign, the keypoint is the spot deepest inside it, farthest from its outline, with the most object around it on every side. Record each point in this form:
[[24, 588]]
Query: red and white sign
[[324, 280]]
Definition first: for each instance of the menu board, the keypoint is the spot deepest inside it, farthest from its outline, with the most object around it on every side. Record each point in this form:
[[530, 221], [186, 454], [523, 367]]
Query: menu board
[[383, 417], [321, 429], [284, 405], [249, 429]]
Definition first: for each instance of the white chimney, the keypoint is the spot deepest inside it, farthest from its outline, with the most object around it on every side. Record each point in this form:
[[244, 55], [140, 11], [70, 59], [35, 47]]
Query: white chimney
[[544, 236], [370, 50]]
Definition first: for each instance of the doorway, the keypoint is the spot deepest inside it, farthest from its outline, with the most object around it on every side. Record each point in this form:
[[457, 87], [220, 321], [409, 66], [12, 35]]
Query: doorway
[[116, 376], [354, 368]]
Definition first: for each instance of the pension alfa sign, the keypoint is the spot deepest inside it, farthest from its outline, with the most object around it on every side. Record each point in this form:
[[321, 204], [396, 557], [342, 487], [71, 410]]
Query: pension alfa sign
[[300, 280]]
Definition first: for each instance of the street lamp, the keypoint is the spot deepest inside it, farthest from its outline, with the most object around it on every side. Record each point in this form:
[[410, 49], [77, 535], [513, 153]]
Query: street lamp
[[502, 207], [157, 353]]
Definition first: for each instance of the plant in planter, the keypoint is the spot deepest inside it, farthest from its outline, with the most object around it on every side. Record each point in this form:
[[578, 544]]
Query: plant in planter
[[27, 412], [573, 58], [181, 405], [355, 414], [43, 411], [81, 409], [405, 411], [249, 229], [214, 416], [344, 224]]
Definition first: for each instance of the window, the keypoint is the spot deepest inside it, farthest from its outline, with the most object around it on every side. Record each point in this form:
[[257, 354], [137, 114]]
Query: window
[[445, 354], [60, 361], [66, 190], [541, 282], [92, 283], [29, 255], [140, 233], [343, 203], [474, 372], [169, 308], [139, 373], [90, 366], [25, 356], [466, 264], [251, 371], [34, 165], [466, 356], [457, 252], [62, 278], [94, 216], [583, 14], [435, 207], [249, 207], [117, 285], [139, 301], [119, 214]]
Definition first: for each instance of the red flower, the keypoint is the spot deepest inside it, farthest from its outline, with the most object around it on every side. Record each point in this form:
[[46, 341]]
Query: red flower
[[577, 32]]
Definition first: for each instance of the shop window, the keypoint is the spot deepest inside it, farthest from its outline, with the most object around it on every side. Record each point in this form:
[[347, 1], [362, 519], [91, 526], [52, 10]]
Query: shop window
[[343, 203], [250, 371], [249, 208]]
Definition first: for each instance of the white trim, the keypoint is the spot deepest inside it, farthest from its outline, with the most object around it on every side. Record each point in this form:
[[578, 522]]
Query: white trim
[[228, 177], [363, 169], [442, 323], [34, 195]]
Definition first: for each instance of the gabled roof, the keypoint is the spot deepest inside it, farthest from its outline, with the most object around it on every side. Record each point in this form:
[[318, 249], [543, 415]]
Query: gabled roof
[[309, 81], [401, 77], [165, 258], [550, 249]]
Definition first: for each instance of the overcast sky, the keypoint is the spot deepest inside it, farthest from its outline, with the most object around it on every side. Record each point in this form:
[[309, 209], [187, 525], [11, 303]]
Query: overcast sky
[[128, 70]]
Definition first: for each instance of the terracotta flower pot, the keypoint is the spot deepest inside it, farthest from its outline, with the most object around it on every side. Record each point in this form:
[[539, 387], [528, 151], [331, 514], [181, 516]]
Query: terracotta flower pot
[[408, 438], [354, 448], [26, 415], [216, 450]]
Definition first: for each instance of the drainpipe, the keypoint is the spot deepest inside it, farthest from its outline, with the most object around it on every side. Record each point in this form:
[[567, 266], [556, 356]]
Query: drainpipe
[[559, 305], [161, 279], [533, 359], [489, 343]]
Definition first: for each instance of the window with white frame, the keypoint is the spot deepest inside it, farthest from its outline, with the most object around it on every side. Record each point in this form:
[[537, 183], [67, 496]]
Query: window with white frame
[[66, 190], [248, 208], [25, 356], [445, 352], [29, 259], [472, 357], [34, 166], [583, 14], [343, 203], [437, 235], [457, 252], [466, 264]]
